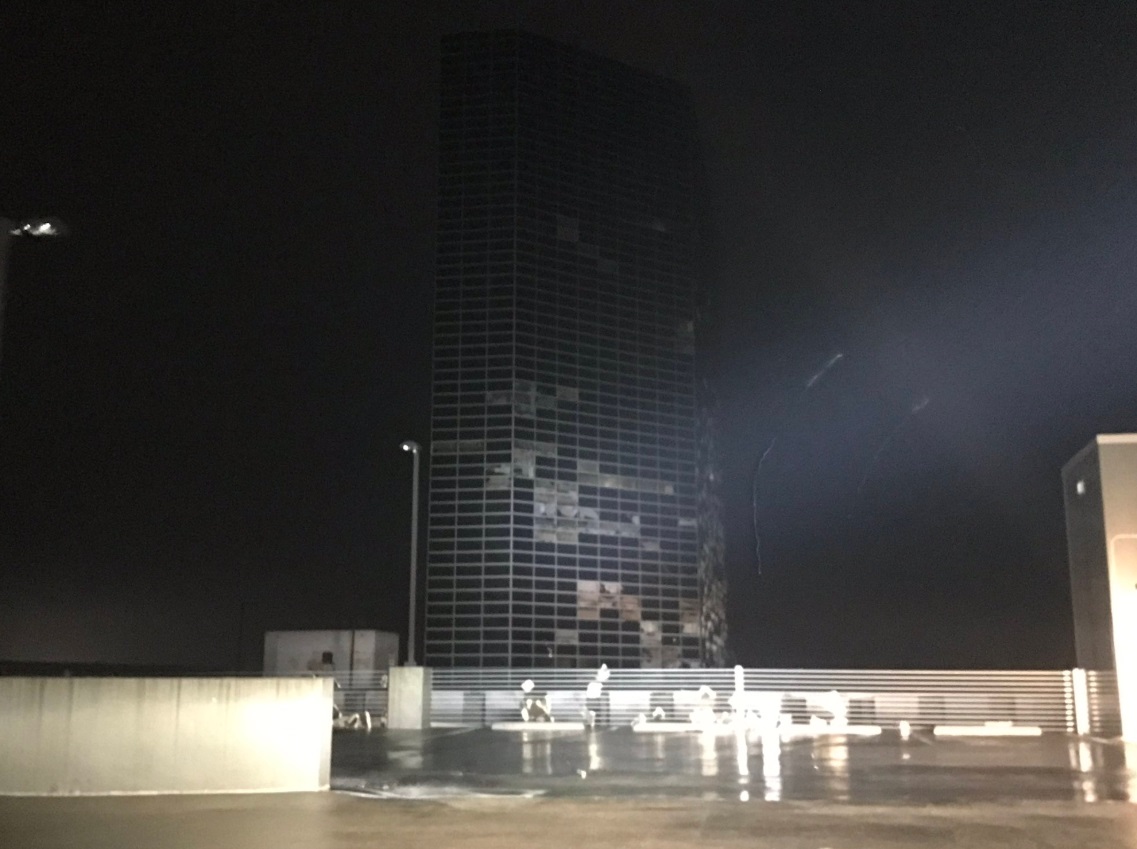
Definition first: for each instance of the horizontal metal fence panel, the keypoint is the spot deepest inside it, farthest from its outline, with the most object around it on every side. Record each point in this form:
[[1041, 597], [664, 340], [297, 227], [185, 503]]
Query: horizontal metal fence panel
[[480, 696], [500, 674], [1105, 709]]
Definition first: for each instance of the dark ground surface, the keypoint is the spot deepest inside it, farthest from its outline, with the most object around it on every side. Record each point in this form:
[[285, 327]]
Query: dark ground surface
[[479, 788], [340, 821]]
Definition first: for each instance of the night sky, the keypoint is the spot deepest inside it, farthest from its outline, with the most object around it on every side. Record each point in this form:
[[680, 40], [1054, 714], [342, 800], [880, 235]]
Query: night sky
[[203, 388]]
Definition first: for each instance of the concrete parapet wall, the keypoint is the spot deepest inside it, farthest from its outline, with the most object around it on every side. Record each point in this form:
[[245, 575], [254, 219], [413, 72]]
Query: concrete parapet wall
[[74, 736], [408, 697]]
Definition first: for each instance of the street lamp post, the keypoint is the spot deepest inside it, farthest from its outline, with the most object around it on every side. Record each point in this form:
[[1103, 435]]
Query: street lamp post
[[415, 450], [9, 229]]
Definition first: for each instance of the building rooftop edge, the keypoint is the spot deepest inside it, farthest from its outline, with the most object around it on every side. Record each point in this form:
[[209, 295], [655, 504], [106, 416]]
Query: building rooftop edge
[[1099, 439], [1087, 449], [1115, 438]]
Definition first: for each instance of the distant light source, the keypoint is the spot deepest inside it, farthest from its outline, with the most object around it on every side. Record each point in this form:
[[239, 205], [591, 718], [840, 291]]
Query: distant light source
[[38, 227], [411, 445], [9, 229], [1080, 487]]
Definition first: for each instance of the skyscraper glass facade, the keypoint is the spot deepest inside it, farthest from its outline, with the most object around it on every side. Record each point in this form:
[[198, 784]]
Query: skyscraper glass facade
[[567, 496]]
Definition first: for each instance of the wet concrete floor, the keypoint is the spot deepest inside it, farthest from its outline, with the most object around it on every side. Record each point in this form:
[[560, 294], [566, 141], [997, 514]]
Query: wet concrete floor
[[479, 788], [340, 821], [613, 763]]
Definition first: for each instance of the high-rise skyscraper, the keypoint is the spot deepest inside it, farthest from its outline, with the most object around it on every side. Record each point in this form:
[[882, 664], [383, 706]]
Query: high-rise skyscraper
[[573, 518]]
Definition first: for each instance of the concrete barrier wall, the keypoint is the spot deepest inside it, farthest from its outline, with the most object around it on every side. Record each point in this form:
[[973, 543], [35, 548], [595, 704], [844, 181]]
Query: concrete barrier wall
[[69, 736]]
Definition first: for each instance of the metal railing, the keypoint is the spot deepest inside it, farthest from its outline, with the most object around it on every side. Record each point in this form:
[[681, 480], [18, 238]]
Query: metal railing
[[1104, 707], [482, 696], [356, 692]]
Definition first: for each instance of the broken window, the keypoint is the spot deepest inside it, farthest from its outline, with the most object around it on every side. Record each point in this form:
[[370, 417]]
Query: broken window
[[609, 595], [630, 608], [588, 600], [689, 616], [524, 462]]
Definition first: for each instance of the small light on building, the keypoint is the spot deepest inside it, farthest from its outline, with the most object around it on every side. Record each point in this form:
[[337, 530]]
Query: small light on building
[[1080, 487]]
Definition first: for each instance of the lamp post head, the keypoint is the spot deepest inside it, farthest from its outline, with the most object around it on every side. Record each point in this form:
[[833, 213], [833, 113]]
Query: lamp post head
[[38, 227], [411, 445]]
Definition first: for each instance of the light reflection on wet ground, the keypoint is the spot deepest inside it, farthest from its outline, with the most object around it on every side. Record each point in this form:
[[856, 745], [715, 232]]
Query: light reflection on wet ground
[[618, 762]]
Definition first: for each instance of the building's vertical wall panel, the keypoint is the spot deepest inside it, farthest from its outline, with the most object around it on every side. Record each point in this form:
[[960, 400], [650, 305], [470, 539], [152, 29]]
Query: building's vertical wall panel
[[712, 543], [1118, 465], [1089, 568], [469, 564], [1100, 485]]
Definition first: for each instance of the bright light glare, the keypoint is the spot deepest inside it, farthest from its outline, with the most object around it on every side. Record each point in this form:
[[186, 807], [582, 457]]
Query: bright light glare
[[39, 227], [742, 754]]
